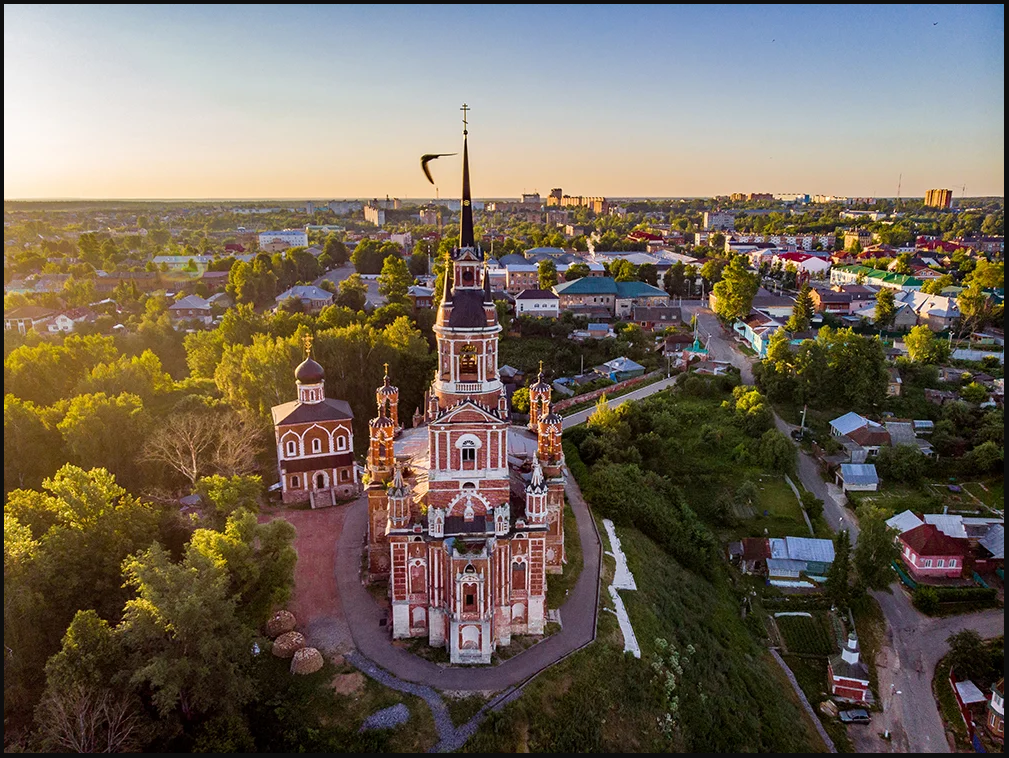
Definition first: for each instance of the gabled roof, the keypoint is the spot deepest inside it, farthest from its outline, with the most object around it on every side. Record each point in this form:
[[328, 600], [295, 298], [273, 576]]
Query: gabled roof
[[306, 292], [467, 404], [296, 412], [859, 473], [33, 312], [588, 285], [994, 541], [849, 422], [637, 289], [190, 302], [622, 364], [870, 436], [948, 524], [536, 295], [904, 522], [810, 549], [928, 540], [756, 549]]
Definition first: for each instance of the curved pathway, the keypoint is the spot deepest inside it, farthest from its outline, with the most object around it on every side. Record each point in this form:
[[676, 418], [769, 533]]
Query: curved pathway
[[372, 638]]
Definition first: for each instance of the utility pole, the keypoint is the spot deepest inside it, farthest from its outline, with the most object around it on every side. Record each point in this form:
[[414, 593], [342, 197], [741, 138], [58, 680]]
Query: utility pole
[[802, 423]]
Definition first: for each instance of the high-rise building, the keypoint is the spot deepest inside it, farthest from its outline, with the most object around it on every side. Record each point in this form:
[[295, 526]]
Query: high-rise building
[[465, 509], [938, 198]]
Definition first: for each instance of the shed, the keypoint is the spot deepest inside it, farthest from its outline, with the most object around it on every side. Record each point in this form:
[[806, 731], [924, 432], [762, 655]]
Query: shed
[[858, 477]]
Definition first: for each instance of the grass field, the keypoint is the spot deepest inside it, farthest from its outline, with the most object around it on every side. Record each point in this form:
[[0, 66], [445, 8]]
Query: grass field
[[602, 700], [559, 584], [784, 515], [989, 492], [807, 635]]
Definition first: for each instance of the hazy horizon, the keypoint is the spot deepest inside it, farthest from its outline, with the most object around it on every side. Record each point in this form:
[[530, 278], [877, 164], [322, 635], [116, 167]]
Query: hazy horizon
[[238, 102]]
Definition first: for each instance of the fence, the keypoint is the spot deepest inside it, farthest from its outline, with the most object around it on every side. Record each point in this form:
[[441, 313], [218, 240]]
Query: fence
[[610, 390], [908, 581]]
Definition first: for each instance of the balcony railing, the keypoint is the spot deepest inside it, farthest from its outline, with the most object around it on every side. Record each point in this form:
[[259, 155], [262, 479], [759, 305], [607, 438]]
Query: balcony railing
[[468, 386]]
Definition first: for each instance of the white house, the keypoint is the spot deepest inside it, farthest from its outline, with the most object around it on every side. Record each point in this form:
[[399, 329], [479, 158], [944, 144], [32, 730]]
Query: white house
[[282, 240], [537, 303]]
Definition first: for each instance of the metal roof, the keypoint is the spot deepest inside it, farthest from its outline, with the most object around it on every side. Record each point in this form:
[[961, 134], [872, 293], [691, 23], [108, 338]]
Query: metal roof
[[951, 526], [859, 473], [904, 522], [784, 567], [969, 692], [994, 541], [810, 549], [849, 422]]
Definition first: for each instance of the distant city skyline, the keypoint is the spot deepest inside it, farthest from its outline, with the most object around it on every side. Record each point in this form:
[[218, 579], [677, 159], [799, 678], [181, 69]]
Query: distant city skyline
[[330, 102]]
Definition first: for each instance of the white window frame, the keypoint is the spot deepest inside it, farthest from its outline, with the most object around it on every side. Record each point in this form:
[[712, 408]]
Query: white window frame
[[316, 445], [292, 447], [927, 563], [941, 563], [341, 442]]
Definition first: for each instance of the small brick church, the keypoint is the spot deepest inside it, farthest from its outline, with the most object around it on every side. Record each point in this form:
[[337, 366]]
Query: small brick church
[[315, 441], [465, 509]]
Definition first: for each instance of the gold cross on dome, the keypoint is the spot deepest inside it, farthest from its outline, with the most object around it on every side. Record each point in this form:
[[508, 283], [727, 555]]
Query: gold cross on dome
[[308, 344], [465, 112]]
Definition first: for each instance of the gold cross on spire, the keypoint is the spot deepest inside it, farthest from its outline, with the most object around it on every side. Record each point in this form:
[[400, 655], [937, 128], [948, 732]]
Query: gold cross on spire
[[541, 368], [387, 369], [465, 124], [308, 345]]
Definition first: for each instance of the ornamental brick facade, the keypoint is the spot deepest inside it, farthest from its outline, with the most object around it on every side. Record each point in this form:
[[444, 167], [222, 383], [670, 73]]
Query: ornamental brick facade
[[465, 510]]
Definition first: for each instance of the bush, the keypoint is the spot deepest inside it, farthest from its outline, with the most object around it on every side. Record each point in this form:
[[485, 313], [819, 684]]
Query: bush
[[926, 600]]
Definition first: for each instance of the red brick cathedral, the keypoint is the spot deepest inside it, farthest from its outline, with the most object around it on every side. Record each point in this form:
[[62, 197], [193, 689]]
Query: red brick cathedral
[[466, 510]]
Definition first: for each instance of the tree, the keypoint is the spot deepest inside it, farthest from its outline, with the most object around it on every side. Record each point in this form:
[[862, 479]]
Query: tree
[[974, 393], [923, 347], [802, 311], [876, 548], [968, 656], [197, 443], [335, 250], [775, 452], [937, 285], [675, 279], [192, 648], [901, 463], [838, 576], [649, 273], [419, 263], [395, 279], [547, 270], [988, 275], [886, 308], [713, 270], [520, 400], [353, 293], [576, 271], [735, 292], [976, 308], [812, 505], [100, 431], [32, 447]]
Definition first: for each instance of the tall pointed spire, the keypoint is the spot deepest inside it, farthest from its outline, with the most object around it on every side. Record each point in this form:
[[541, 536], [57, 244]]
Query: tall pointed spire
[[466, 236]]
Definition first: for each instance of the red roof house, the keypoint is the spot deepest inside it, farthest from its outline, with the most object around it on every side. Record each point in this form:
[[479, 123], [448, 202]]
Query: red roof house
[[930, 554]]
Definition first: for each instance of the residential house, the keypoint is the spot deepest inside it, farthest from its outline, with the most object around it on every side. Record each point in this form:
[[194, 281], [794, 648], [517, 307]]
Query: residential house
[[995, 721], [903, 433], [830, 301], [537, 303], [594, 331], [521, 276], [595, 269], [808, 266], [937, 312], [904, 317], [750, 555], [930, 554], [620, 369], [903, 522], [619, 298], [191, 308], [894, 383], [840, 275], [858, 477], [989, 555], [27, 317], [940, 397], [792, 557], [848, 674], [775, 306], [420, 297], [756, 330], [313, 299], [656, 317], [69, 320]]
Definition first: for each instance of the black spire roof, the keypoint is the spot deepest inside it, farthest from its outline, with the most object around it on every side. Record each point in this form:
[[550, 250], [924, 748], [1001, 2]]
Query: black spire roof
[[466, 236]]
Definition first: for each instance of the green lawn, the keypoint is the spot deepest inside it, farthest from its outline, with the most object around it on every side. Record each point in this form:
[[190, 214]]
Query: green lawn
[[947, 705], [784, 515], [559, 584], [990, 492]]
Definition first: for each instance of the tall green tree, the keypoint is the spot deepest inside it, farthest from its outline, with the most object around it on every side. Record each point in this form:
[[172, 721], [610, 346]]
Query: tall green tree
[[102, 431], [838, 586], [876, 548], [735, 292], [395, 279], [33, 449], [547, 271], [802, 311], [353, 293], [923, 347], [886, 308], [576, 271], [335, 250]]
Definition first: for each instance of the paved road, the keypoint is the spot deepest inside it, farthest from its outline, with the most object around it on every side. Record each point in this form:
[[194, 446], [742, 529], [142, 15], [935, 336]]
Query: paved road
[[915, 642], [582, 416], [373, 640]]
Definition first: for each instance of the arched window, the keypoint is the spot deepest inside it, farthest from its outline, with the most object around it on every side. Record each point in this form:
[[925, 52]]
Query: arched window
[[320, 481], [295, 484], [467, 363], [341, 442], [468, 452], [518, 575], [316, 445], [292, 447]]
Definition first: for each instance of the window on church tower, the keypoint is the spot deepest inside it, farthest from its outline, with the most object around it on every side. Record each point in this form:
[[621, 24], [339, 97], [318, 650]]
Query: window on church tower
[[468, 451], [316, 445], [467, 363], [292, 447]]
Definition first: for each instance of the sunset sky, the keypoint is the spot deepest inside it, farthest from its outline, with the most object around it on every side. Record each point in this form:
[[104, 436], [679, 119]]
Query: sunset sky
[[340, 101]]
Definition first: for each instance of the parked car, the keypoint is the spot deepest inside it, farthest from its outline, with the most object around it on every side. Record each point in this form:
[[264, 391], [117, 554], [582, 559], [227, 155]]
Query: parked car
[[855, 716], [797, 435]]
